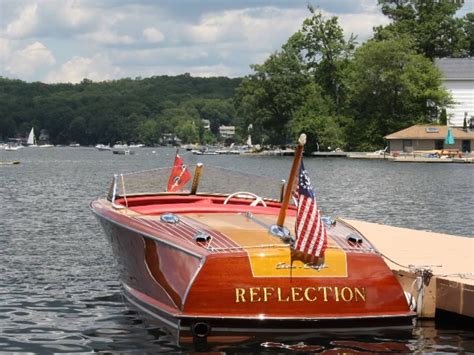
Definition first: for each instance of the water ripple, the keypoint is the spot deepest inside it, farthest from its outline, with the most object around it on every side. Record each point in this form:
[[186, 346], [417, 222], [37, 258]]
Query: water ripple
[[59, 289]]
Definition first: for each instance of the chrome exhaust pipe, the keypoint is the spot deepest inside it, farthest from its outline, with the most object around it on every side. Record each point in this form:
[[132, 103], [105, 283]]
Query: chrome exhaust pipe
[[201, 329]]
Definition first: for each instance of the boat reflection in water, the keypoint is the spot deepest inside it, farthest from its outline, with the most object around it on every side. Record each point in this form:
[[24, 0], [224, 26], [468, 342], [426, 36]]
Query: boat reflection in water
[[208, 264]]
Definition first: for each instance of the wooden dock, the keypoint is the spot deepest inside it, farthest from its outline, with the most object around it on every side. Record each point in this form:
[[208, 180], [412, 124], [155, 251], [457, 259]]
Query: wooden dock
[[412, 253], [421, 159], [329, 154]]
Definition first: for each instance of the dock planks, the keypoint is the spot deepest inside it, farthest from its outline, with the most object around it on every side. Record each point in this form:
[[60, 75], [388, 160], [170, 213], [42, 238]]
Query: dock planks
[[451, 259]]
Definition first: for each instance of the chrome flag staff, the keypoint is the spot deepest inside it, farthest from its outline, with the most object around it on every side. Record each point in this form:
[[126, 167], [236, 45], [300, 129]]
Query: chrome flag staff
[[180, 175], [310, 231]]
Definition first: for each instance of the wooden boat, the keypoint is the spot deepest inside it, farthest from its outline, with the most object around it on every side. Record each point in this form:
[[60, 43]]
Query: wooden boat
[[206, 262]]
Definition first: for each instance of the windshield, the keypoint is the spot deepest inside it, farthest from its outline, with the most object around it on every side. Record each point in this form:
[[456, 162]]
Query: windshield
[[213, 180]]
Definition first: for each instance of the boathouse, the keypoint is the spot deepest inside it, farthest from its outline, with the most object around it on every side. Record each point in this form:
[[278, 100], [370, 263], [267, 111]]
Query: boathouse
[[458, 79], [425, 137]]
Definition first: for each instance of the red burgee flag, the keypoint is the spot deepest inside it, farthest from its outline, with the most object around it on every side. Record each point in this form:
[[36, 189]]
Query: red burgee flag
[[180, 175], [310, 231]]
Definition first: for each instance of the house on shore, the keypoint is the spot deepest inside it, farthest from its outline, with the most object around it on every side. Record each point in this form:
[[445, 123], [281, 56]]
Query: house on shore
[[458, 79], [425, 137]]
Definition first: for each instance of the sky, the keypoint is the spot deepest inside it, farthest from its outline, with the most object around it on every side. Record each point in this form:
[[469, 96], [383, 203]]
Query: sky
[[68, 40]]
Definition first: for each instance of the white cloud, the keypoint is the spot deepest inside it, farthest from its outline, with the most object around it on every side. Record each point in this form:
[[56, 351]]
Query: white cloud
[[5, 49], [97, 68], [143, 37], [211, 70], [190, 54], [25, 62], [153, 35], [106, 36], [361, 24], [25, 23], [262, 28], [197, 71], [72, 14]]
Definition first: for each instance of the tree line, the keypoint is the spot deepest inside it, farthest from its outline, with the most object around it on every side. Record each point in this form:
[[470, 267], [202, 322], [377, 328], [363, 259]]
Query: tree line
[[126, 110], [341, 93]]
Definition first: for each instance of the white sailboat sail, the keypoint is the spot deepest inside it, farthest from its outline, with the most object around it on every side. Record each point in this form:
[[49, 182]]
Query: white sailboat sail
[[31, 137], [249, 141]]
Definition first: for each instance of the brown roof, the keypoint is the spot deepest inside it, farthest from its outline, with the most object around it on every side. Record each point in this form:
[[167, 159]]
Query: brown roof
[[426, 131]]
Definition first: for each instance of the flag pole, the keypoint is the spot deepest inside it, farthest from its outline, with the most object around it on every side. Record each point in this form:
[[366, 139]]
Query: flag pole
[[197, 177], [291, 180]]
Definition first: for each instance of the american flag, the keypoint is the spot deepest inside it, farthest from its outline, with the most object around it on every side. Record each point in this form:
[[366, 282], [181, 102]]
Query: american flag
[[310, 231]]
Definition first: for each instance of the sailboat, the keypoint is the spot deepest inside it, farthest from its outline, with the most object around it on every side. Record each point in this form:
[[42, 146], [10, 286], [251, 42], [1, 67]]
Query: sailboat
[[33, 143], [32, 139]]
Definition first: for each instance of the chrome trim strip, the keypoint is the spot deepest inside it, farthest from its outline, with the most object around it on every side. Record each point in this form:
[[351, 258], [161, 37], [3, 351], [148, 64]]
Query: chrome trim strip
[[152, 314], [304, 330], [191, 283], [250, 216], [180, 317], [114, 194], [260, 318], [178, 326], [315, 319]]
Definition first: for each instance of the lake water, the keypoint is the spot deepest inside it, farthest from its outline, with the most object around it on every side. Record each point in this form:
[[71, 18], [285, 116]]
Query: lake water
[[59, 289]]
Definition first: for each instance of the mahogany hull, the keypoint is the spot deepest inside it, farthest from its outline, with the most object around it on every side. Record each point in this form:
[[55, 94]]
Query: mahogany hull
[[231, 289]]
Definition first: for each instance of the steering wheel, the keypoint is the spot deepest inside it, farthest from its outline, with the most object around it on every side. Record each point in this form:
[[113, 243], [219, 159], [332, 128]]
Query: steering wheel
[[245, 194]]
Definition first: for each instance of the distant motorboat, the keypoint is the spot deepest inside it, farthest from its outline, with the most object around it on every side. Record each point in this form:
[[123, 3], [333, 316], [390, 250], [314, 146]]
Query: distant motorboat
[[378, 152], [123, 151], [46, 146], [204, 151], [102, 147], [232, 149], [14, 162], [13, 147], [137, 145], [74, 145], [119, 145]]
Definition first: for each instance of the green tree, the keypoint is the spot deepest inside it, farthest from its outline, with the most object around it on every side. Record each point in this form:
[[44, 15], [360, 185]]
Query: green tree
[[431, 25], [77, 127], [7, 127], [325, 51], [188, 132], [268, 98], [443, 117], [314, 118], [468, 27], [217, 112], [300, 88], [149, 132], [106, 112], [390, 86]]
